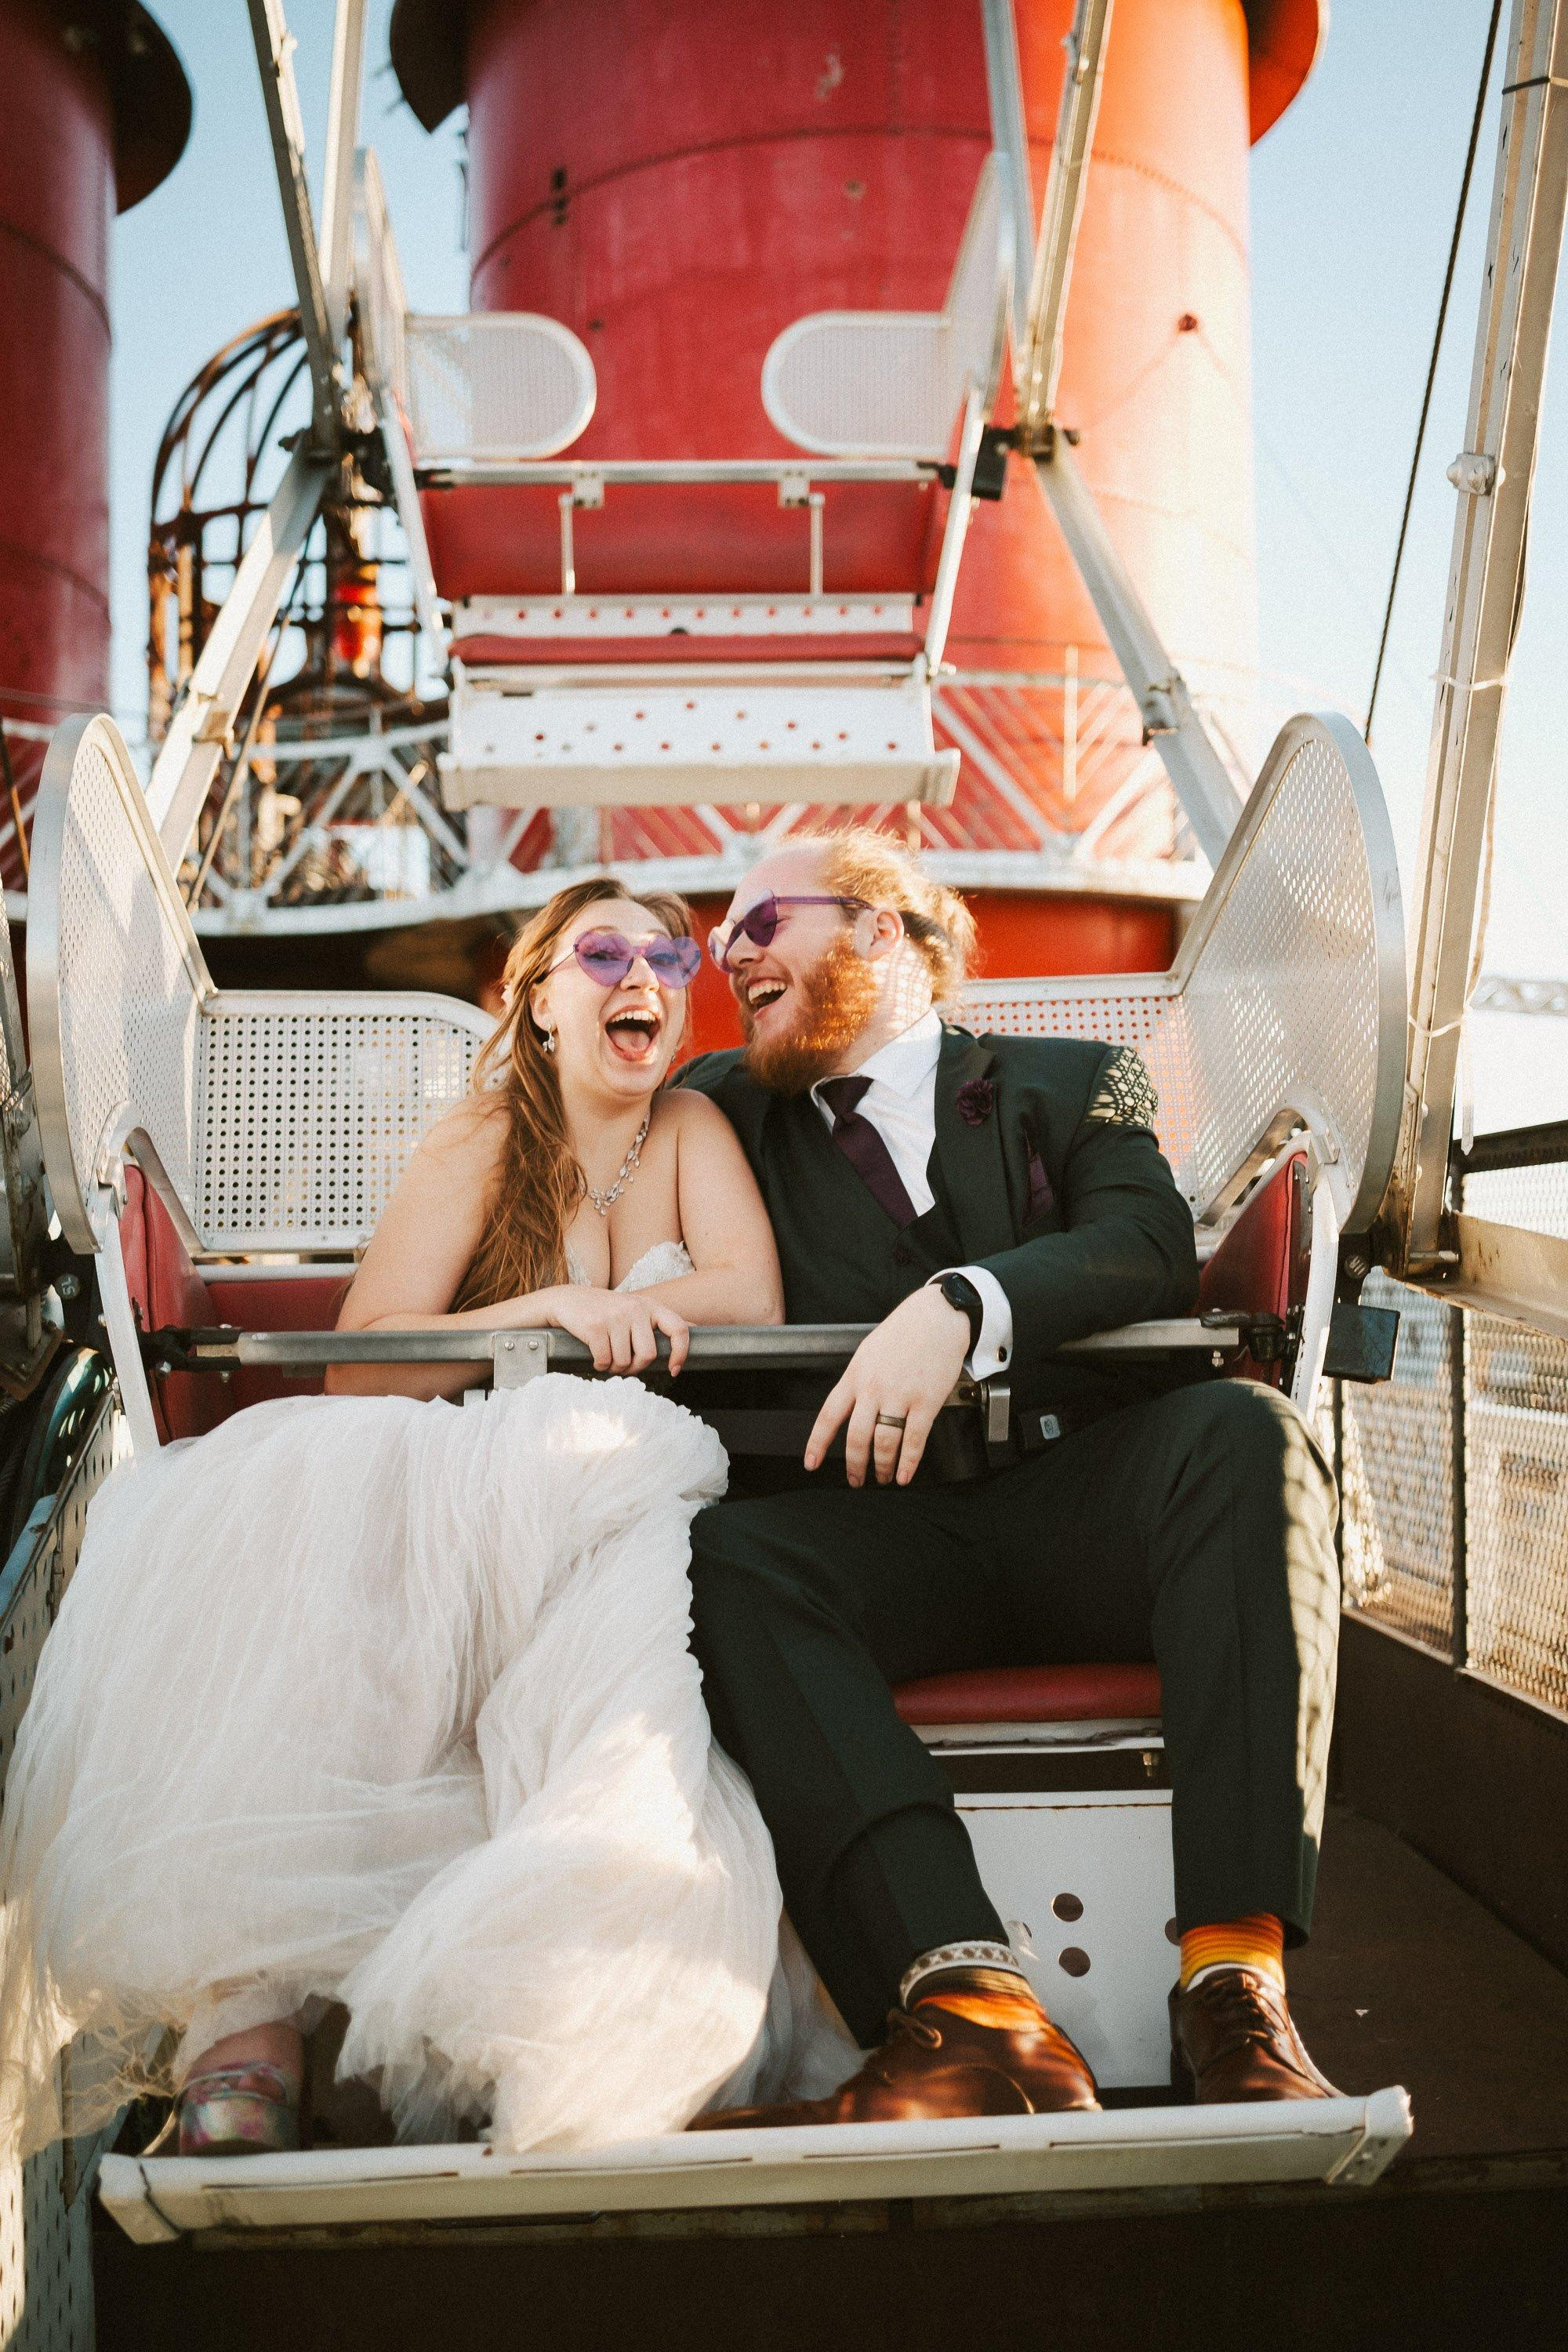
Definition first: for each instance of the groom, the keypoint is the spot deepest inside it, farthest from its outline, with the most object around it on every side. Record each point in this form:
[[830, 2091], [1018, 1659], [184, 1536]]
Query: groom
[[981, 1202]]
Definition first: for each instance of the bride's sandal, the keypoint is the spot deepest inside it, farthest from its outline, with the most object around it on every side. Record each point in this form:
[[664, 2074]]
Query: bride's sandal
[[250, 2110]]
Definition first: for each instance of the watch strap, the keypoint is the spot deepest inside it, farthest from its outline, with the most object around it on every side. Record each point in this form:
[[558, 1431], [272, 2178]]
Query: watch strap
[[960, 1292]]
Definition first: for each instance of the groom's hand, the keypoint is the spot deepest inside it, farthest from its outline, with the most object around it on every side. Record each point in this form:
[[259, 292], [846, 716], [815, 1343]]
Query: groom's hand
[[904, 1373]]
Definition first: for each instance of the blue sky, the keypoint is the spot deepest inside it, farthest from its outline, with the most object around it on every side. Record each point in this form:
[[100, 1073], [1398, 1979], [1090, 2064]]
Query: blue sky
[[1353, 206]]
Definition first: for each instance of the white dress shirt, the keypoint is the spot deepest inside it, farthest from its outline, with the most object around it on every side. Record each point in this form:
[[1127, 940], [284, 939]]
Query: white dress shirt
[[900, 1103]]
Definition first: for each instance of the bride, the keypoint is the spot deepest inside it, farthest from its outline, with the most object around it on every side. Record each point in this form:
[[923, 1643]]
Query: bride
[[374, 1700]]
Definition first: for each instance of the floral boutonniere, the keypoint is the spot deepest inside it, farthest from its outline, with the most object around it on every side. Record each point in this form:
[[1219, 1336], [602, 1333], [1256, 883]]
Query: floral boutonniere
[[974, 1101]]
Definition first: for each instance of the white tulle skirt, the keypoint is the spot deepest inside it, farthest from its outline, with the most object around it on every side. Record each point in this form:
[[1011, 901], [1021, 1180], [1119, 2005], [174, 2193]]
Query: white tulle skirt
[[391, 1703]]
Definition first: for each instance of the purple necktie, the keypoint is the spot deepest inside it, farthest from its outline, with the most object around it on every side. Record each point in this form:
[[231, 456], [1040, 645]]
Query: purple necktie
[[864, 1148]]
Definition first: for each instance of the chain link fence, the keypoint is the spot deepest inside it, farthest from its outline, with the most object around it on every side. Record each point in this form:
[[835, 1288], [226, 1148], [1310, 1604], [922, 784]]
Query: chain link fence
[[1454, 1474]]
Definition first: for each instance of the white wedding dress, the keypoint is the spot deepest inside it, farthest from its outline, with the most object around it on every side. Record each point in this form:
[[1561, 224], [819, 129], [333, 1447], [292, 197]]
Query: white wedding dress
[[389, 1703]]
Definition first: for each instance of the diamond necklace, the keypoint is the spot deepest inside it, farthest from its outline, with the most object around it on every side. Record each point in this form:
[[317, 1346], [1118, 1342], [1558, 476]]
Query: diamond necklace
[[605, 1201]]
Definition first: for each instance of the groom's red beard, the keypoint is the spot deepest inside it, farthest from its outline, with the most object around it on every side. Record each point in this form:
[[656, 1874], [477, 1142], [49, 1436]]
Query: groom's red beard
[[834, 1002]]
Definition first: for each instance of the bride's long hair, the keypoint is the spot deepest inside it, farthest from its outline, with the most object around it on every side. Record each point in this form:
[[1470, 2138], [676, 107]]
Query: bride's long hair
[[538, 1183]]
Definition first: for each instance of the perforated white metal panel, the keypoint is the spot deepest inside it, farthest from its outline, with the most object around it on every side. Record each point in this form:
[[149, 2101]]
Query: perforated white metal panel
[[1289, 995], [695, 741], [891, 384], [853, 382], [115, 978], [310, 1108], [1147, 1014], [1283, 1000], [496, 384]]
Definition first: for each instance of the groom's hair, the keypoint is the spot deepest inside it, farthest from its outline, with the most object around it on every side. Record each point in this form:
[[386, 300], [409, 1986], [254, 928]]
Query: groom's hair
[[864, 864]]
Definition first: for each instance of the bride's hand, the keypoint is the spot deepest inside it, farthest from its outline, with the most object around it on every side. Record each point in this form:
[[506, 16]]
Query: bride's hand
[[617, 1325]]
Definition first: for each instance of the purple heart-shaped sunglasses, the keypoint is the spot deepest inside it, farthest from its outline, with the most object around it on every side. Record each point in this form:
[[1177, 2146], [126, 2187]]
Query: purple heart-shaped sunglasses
[[607, 957]]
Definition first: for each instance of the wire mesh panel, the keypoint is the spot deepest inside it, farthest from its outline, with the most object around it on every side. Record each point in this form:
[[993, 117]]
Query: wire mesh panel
[[1536, 1198], [1516, 1462], [1145, 1013], [310, 1109], [1398, 1457], [1290, 981], [498, 385], [1288, 995]]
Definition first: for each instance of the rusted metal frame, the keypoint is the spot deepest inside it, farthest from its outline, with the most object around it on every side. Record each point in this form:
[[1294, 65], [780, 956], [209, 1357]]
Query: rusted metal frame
[[1010, 138], [203, 724], [337, 180], [1197, 772], [1039, 361], [1507, 1270], [275, 60], [239, 778], [1544, 1145], [1493, 476]]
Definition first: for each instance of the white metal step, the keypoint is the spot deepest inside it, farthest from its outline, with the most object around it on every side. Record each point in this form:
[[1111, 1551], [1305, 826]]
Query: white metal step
[[1346, 2142], [545, 620], [557, 740]]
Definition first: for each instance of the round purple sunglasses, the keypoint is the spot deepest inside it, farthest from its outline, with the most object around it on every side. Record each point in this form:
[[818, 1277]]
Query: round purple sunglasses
[[607, 957], [759, 923]]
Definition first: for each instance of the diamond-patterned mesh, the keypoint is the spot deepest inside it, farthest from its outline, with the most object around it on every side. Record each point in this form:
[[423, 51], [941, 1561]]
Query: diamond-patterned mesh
[[1280, 1007], [1516, 1484], [307, 1117], [1516, 1461], [1536, 1198], [1396, 1475], [1145, 1013], [1400, 1468]]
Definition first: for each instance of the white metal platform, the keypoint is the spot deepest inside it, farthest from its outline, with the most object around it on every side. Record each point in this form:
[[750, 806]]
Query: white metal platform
[[1344, 2142], [531, 739]]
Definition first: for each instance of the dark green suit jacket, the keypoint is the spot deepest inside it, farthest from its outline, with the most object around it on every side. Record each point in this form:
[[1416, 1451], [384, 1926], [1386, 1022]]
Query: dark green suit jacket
[[1046, 1172]]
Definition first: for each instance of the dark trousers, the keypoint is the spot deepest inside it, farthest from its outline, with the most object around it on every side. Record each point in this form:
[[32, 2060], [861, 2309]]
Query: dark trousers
[[1196, 1529]]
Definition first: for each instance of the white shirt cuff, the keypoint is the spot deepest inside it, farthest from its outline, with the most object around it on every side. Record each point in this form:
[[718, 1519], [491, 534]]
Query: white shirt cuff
[[993, 1352]]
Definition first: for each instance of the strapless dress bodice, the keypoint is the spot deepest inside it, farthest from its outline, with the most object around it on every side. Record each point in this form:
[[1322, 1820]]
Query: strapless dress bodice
[[664, 1261]]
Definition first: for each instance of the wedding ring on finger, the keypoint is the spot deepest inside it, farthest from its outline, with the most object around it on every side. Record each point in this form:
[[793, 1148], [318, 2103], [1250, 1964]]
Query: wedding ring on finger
[[892, 1419]]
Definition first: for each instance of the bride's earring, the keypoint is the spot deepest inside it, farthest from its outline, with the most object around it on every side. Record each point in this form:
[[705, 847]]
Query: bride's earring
[[547, 1042]]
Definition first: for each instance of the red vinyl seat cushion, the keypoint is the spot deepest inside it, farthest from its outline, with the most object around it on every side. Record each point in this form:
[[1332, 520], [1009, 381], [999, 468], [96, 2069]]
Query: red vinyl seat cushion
[[1261, 1264], [1032, 1694], [166, 1289]]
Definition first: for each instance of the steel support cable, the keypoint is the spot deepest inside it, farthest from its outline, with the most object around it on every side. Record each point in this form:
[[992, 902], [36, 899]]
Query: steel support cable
[[1432, 363]]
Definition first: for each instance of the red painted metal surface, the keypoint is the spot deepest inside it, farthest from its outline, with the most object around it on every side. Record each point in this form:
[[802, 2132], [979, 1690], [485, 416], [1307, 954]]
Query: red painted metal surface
[[71, 134], [1033, 1694], [1020, 932], [678, 180]]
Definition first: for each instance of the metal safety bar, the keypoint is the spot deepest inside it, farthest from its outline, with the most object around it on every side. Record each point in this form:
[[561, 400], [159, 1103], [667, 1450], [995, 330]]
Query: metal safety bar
[[572, 473], [520, 1355]]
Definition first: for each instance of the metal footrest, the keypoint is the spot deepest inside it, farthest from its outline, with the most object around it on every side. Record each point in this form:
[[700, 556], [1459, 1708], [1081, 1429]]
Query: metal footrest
[[1344, 2141], [547, 740]]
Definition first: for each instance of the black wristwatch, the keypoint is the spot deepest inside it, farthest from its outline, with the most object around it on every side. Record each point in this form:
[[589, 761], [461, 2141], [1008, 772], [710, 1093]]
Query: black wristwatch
[[960, 1292]]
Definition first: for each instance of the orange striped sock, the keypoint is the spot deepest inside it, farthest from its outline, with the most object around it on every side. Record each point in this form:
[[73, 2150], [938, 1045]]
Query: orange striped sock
[[1255, 1942], [994, 1997]]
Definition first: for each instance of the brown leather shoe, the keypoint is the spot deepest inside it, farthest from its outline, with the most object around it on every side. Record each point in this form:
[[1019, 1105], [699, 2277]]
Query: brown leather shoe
[[937, 2063], [1232, 2038]]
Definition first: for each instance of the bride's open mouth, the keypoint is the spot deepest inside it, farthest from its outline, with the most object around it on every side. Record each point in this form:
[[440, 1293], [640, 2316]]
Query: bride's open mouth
[[632, 1032]]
